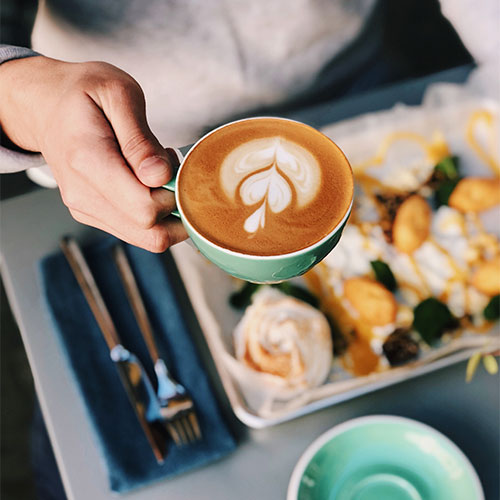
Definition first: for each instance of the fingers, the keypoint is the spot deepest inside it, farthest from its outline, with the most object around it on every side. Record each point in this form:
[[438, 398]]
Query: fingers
[[100, 190], [156, 239], [148, 227], [164, 201], [107, 162], [94, 201], [96, 161], [124, 105]]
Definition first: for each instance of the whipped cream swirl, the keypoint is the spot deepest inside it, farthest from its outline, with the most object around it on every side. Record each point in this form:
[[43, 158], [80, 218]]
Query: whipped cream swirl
[[285, 338]]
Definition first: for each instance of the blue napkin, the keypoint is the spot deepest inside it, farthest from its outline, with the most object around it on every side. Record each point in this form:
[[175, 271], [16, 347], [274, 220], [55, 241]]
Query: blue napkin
[[126, 452]]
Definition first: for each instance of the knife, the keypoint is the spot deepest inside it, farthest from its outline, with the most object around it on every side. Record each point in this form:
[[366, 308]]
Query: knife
[[135, 381]]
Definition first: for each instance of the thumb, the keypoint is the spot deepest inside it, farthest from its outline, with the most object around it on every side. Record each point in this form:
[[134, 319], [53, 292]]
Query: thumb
[[125, 108]]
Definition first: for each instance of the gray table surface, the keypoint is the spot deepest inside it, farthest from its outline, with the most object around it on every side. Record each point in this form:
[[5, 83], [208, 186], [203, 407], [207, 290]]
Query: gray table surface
[[30, 227]]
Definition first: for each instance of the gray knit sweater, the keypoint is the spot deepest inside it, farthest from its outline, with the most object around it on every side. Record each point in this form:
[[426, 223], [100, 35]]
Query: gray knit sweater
[[202, 62]]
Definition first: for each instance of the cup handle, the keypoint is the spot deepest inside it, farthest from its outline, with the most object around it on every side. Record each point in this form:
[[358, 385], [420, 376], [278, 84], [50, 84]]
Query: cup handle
[[170, 185]]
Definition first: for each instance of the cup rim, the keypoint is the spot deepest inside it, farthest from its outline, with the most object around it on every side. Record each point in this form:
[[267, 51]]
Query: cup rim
[[254, 256], [309, 453]]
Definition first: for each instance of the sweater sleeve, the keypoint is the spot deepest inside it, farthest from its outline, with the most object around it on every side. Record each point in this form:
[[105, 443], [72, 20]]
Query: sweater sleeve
[[477, 25], [14, 161], [9, 52]]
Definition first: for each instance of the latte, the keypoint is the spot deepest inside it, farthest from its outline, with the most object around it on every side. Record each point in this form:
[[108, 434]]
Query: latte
[[265, 186]]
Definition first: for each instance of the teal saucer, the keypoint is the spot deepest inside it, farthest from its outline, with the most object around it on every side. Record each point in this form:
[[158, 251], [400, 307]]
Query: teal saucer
[[384, 458]]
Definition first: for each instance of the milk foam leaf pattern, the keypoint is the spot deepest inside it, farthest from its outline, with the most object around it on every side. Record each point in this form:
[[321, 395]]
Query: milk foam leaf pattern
[[431, 318], [268, 183], [492, 310], [384, 275], [271, 172]]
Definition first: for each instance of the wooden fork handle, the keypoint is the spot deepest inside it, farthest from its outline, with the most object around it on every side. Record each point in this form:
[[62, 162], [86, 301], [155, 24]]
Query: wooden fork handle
[[135, 299]]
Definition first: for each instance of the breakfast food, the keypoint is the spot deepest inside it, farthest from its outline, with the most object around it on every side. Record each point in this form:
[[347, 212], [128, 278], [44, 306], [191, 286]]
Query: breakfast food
[[414, 278], [265, 186], [486, 278], [284, 339], [371, 300], [411, 225], [475, 194], [416, 264]]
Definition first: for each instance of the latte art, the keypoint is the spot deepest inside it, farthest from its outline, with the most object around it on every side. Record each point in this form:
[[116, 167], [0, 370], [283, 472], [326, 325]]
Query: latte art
[[270, 171], [265, 186]]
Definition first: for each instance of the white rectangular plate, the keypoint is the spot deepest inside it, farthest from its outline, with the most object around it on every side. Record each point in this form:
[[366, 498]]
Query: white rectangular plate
[[209, 288]]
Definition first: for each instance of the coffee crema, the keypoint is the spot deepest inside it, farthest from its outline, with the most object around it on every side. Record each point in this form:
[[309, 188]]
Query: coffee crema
[[265, 186]]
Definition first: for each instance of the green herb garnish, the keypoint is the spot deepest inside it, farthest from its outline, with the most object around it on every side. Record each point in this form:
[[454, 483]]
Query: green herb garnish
[[243, 297], [444, 190], [444, 179], [492, 310], [384, 274], [447, 168], [298, 292], [431, 318]]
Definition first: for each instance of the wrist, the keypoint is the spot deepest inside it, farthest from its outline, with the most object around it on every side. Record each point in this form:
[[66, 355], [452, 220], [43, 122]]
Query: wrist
[[26, 88]]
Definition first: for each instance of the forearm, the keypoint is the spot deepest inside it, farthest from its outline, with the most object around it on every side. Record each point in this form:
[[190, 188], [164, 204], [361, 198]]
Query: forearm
[[11, 160], [21, 102]]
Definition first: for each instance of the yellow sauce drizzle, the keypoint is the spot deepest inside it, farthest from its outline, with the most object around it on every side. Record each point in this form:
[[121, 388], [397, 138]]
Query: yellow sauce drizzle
[[420, 275], [370, 184], [488, 156], [460, 274], [360, 358], [435, 150], [476, 220], [404, 285]]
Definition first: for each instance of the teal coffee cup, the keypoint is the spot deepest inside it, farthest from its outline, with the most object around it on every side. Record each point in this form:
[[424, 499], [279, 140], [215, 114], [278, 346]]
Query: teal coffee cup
[[263, 268]]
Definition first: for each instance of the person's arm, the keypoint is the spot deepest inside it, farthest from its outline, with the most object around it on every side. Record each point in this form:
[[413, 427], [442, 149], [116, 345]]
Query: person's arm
[[9, 52], [88, 120], [11, 160]]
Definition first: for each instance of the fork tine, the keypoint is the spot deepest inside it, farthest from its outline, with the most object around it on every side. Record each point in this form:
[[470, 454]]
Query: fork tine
[[174, 434], [180, 430], [188, 429], [176, 404], [194, 424]]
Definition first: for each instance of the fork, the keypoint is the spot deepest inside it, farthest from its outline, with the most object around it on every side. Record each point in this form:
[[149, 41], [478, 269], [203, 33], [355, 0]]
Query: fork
[[176, 406]]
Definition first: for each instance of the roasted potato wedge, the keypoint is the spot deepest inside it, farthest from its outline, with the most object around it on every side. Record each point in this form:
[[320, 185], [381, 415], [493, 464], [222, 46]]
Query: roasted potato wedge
[[412, 224], [374, 303], [475, 194], [486, 278]]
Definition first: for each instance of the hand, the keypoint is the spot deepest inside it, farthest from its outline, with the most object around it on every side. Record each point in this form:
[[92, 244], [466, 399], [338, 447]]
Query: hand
[[89, 122]]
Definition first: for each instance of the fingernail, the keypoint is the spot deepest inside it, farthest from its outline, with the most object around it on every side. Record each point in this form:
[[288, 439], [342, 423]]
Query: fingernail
[[154, 166]]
